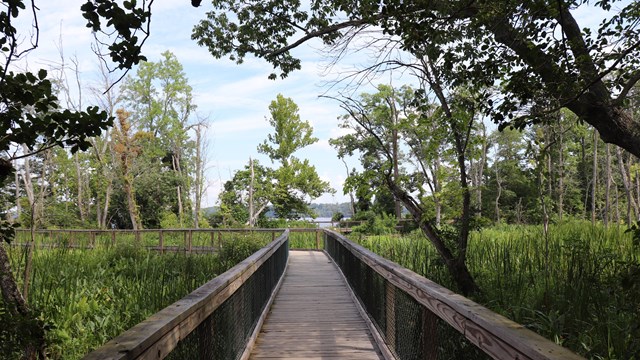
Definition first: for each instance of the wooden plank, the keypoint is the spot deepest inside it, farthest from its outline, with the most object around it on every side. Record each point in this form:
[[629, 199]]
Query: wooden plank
[[314, 316]]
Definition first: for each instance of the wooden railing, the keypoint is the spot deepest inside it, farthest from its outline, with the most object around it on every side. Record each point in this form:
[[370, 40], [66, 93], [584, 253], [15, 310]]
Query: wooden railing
[[219, 318], [162, 240], [410, 312]]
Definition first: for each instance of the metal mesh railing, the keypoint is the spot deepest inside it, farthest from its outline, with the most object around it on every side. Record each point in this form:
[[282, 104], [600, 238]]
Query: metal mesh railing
[[418, 319], [216, 321], [224, 334]]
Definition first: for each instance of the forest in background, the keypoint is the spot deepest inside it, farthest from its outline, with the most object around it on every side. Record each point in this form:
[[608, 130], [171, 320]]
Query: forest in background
[[559, 103]]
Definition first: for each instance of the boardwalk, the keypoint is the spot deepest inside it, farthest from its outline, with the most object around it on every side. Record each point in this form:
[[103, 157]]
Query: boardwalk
[[313, 316]]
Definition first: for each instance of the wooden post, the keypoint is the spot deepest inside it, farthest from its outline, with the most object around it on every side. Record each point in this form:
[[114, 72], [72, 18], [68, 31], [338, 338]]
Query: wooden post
[[92, 235], [161, 241], [71, 239], [213, 245], [219, 240], [273, 235], [318, 239], [391, 315], [113, 237], [189, 240], [429, 335], [137, 232]]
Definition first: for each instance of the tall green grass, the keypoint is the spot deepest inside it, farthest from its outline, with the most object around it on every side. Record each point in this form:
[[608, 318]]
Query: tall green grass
[[578, 285], [86, 297]]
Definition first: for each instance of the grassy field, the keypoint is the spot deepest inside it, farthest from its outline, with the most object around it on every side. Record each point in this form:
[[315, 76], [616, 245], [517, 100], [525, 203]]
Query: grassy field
[[578, 285], [86, 297]]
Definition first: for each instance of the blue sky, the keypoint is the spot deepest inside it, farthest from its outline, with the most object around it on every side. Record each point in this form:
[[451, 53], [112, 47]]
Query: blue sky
[[235, 98]]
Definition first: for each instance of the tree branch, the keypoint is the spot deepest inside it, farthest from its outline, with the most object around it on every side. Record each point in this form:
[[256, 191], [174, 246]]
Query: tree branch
[[323, 31]]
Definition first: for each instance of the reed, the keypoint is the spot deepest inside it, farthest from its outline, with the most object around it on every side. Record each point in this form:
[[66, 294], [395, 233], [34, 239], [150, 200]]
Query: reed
[[578, 285], [86, 297]]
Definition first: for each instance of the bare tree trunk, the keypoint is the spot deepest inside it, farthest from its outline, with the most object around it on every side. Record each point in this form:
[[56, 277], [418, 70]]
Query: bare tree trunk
[[199, 177], [632, 207], [498, 193], [251, 187], [18, 207], [176, 168], [437, 187], [560, 174], [607, 186], [80, 189], [594, 176], [483, 161], [352, 200]]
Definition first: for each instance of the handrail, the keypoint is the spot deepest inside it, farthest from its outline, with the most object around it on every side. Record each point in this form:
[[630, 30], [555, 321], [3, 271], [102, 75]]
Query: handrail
[[161, 333], [492, 333]]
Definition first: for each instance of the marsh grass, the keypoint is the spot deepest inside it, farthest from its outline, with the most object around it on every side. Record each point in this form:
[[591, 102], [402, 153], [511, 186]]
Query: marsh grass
[[87, 297], [579, 285]]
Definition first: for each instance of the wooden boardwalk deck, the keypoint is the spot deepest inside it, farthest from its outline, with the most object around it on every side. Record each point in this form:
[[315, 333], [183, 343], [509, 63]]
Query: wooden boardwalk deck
[[313, 316]]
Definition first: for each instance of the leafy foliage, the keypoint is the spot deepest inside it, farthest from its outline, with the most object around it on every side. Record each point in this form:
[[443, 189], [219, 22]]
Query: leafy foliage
[[535, 54]]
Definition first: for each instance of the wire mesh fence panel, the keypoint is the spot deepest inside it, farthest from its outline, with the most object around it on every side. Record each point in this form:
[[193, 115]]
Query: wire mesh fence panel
[[409, 329], [224, 333]]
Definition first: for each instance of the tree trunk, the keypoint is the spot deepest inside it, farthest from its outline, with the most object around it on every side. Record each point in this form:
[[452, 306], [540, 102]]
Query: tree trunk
[[352, 200], [176, 168], [632, 207], [457, 267], [17, 306], [498, 193], [437, 188], [199, 177], [483, 161], [560, 174], [18, 207], [251, 187], [594, 177], [80, 193], [607, 186]]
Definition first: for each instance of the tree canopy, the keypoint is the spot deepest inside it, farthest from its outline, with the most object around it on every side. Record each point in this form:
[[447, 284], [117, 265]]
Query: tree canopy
[[534, 53]]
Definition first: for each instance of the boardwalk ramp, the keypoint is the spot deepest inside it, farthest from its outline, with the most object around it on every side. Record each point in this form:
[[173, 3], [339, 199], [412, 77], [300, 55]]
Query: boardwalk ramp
[[314, 315]]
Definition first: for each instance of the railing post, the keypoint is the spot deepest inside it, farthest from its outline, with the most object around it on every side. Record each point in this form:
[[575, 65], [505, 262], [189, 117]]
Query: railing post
[[317, 239], [189, 240], [219, 240], [93, 239], [161, 241], [213, 245]]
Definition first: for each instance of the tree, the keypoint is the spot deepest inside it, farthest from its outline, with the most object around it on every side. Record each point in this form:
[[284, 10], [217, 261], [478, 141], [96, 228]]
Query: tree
[[31, 116], [535, 53], [296, 180], [161, 103], [372, 137], [247, 195]]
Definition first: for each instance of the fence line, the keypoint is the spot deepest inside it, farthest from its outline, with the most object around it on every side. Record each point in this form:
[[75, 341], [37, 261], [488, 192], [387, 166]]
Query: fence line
[[91, 238]]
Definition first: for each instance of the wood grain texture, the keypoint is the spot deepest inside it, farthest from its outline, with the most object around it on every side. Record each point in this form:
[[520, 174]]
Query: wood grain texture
[[314, 316]]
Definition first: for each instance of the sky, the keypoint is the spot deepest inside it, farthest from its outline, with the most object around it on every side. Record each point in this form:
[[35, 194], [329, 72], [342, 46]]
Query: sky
[[234, 98]]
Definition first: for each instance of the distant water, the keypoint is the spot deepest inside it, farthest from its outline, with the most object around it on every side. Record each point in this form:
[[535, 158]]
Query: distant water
[[323, 222]]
